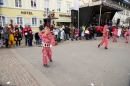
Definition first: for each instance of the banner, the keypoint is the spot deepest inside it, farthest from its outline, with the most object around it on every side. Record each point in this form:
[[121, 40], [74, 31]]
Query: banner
[[76, 4]]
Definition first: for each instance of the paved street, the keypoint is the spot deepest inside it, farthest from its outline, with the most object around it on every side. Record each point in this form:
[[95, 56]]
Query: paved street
[[77, 63]]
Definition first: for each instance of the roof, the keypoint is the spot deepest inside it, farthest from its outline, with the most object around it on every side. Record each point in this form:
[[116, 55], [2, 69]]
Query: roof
[[105, 7]]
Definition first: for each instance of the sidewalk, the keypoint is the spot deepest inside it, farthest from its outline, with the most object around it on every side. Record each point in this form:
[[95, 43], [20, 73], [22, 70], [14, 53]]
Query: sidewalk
[[12, 73]]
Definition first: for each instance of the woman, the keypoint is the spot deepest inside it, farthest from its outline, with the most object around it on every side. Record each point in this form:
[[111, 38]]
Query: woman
[[87, 33], [72, 33]]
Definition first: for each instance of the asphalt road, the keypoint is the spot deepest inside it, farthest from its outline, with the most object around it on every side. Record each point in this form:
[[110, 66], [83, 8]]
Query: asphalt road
[[82, 63]]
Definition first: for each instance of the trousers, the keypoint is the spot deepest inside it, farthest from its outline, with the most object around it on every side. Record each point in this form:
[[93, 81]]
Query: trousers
[[46, 54], [127, 38], [104, 41], [115, 38], [11, 39]]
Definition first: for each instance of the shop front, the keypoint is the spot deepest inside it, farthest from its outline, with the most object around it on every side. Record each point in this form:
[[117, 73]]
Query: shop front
[[63, 19]]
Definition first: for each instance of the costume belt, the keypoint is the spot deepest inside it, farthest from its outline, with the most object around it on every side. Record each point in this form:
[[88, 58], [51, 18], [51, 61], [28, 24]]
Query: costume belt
[[46, 44]]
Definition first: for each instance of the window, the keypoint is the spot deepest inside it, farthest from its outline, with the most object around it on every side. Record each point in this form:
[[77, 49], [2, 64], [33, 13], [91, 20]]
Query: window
[[58, 5], [2, 20], [1, 2], [68, 7], [19, 20], [46, 4], [34, 21], [18, 3], [33, 4]]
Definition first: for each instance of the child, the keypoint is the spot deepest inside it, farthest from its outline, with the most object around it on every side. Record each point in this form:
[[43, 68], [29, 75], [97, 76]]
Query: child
[[18, 38], [115, 35], [30, 38], [37, 38]]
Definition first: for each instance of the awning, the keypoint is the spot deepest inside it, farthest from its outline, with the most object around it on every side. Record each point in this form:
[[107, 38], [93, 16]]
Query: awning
[[63, 20], [106, 7], [50, 18]]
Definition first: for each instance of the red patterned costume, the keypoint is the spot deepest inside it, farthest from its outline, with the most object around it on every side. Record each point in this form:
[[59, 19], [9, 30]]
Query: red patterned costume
[[115, 35], [47, 42], [105, 37]]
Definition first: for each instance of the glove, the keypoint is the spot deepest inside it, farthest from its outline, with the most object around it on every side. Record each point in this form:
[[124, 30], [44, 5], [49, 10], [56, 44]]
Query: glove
[[51, 45]]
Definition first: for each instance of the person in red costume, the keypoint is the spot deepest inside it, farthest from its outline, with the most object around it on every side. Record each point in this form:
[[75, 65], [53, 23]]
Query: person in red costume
[[115, 35], [105, 37], [47, 42], [127, 35]]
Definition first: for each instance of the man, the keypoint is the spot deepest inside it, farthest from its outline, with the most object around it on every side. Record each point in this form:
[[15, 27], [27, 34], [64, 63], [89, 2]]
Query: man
[[26, 32], [6, 34], [105, 37], [67, 32], [47, 42]]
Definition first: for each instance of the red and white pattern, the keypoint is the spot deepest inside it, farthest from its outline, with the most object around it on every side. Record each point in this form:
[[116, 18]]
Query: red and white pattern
[[46, 51]]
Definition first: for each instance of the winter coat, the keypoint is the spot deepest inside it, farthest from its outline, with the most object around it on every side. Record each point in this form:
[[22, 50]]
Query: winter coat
[[18, 36], [6, 32]]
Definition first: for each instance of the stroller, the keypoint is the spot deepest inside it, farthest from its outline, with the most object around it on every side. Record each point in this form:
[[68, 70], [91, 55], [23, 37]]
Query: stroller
[[37, 38]]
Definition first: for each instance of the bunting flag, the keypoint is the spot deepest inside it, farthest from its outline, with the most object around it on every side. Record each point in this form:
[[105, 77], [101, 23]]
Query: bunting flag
[[76, 4]]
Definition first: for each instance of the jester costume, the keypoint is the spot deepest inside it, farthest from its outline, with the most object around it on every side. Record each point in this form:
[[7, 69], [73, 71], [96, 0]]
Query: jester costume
[[11, 36], [47, 42]]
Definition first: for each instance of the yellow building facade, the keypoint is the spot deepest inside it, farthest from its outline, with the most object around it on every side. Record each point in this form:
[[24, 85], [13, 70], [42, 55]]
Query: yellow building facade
[[33, 12]]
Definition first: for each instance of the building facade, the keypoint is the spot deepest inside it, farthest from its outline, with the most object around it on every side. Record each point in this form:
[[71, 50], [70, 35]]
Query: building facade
[[33, 12]]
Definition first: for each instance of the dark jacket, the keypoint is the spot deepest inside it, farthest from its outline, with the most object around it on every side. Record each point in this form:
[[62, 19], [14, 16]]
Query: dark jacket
[[36, 36], [30, 36], [18, 36], [67, 30]]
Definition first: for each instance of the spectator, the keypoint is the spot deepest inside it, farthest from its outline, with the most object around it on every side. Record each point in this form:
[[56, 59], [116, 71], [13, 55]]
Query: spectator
[[37, 38], [72, 33], [6, 34], [18, 38], [30, 38]]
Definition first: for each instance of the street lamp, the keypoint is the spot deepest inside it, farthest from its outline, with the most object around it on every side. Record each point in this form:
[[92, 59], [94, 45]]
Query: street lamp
[[46, 13]]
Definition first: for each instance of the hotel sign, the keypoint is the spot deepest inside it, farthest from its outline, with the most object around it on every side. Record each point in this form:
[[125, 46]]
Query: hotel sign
[[26, 12], [62, 15]]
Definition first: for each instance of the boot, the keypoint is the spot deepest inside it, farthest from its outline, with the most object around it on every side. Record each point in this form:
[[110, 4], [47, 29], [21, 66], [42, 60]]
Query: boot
[[106, 48], [50, 60], [45, 65], [98, 45]]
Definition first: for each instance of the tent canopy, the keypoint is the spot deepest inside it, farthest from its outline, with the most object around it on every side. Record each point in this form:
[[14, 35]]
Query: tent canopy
[[106, 7]]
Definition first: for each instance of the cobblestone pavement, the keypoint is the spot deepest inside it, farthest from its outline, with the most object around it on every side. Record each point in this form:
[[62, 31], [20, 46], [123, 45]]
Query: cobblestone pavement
[[12, 73]]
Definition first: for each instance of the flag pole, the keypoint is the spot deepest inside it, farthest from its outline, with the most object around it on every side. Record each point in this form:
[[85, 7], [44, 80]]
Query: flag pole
[[78, 14]]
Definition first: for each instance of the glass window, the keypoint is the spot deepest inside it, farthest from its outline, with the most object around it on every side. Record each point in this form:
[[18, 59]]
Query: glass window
[[33, 3], [2, 20], [1, 2], [58, 5], [46, 4], [18, 3], [19, 21], [34, 21], [68, 7]]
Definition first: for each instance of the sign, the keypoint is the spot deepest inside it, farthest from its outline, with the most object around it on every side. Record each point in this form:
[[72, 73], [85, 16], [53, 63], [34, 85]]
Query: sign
[[26, 12], [62, 15]]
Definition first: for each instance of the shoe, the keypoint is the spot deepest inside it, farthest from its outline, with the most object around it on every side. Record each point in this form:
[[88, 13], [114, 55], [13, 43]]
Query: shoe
[[106, 48], [50, 60], [45, 65], [98, 45]]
